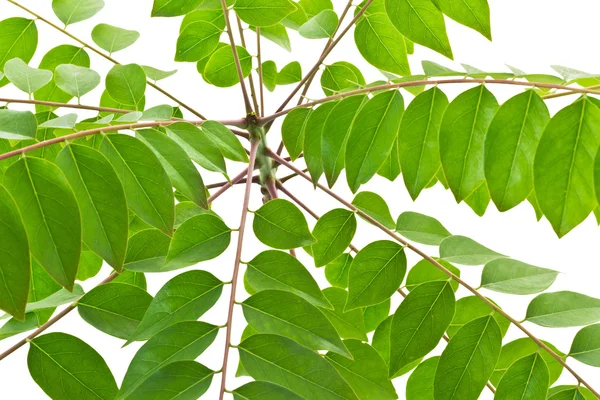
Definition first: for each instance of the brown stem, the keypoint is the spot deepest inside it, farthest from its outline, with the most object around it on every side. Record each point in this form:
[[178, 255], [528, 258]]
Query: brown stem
[[260, 74], [250, 78], [227, 185], [65, 105], [555, 95], [437, 265], [236, 264]]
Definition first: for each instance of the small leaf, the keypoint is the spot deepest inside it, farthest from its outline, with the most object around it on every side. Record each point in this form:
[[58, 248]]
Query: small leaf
[[76, 81], [59, 298], [277, 34], [213, 15], [263, 12], [334, 232], [505, 275], [147, 251], [375, 315], [420, 383], [321, 26], [173, 8], [19, 40], [24, 77], [72, 11], [290, 74], [269, 73], [17, 125], [338, 270], [157, 74], [127, 84], [563, 309], [198, 40], [375, 206], [466, 251], [198, 145], [351, 324], [157, 113], [132, 278], [112, 38], [280, 224], [257, 390], [313, 134], [425, 271], [221, 69], [226, 140], [470, 308], [472, 13], [90, 264], [586, 346], [421, 228], [293, 130], [67, 121], [341, 76], [527, 378]]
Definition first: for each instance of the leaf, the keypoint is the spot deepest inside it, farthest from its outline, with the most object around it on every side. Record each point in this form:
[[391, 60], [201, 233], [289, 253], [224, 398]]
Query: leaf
[[19, 40], [570, 393], [183, 174], [269, 74], [198, 40], [374, 206], [418, 139], [157, 74], [283, 362], [586, 346], [198, 239], [334, 232], [472, 13], [212, 15], [50, 214], [147, 186], [67, 121], [339, 77], [41, 286], [198, 145], [226, 140], [375, 315], [186, 297], [421, 22], [173, 8], [76, 81], [66, 367], [15, 270], [72, 11], [462, 136], [420, 383], [276, 270], [468, 361], [351, 324], [127, 84], [470, 308], [112, 38], [421, 228], [527, 378], [465, 251], [372, 137], [17, 125], [14, 327], [102, 203], [263, 391], [107, 101], [424, 271], [321, 26], [61, 297], [184, 341], [277, 34], [510, 146], [90, 264], [24, 77], [514, 277], [221, 69], [293, 130], [376, 273], [132, 278], [563, 170], [419, 323], [337, 271], [313, 133], [147, 251], [391, 168], [563, 309], [290, 74], [281, 225], [263, 12], [286, 314], [114, 308]]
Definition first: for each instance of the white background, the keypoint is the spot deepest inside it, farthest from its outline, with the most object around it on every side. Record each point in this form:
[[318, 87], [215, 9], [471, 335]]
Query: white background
[[528, 34]]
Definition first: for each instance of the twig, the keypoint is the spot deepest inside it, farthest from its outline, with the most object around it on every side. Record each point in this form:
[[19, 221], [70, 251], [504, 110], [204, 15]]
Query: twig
[[65, 105], [260, 74], [555, 95], [250, 78]]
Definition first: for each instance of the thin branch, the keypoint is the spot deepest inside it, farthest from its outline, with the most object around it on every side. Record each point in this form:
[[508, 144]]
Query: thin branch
[[65, 105], [437, 265], [236, 265], [250, 78], [555, 95], [426, 82], [227, 185], [260, 74], [106, 56]]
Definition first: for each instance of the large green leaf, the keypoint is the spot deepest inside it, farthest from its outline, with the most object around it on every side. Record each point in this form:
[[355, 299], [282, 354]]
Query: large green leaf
[[462, 137], [147, 186], [505, 275], [101, 200], [293, 131], [127, 84], [527, 378], [263, 12], [564, 166], [24, 77], [112, 38], [76, 81], [173, 8], [470, 308], [563, 309], [421, 228], [586, 346], [226, 140], [257, 390], [420, 383], [334, 232], [466, 251], [50, 214], [351, 324], [19, 40], [66, 367], [372, 137], [472, 13], [198, 145], [17, 125], [280, 224], [375, 206], [184, 298], [221, 69], [419, 323], [72, 11], [376, 273], [282, 361], [313, 134], [198, 40], [468, 361]]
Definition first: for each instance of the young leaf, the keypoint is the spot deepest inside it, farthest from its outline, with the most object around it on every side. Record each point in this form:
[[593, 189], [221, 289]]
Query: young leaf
[[282, 361], [24, 77], [221, 69], [375, 206], [157, 74], [72, 11], [147, 251], [351, 324], [127, 84], [470, 308], [112, 38], [472, 13], [280, 224], [263, 12], [421, 228], [321, 26], [198, 40], [313, 134], [586, 346], [17, 125], [257, 390], [50, 214], [527, 378], [293, 130], [505, 275], [76, 81], [66, 367], [227, 142], [173, 8], [424, 271], [563, 309], [466, 251], [198, 145], [290, 74], [340, 76], [376, 273], [334, 232]]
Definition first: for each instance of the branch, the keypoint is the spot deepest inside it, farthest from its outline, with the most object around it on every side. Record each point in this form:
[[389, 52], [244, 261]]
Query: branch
[[260, 74], [65, 105], [106, 56], [555, 95], [426, 82], [236, 265], [437, 265], [250, 79]]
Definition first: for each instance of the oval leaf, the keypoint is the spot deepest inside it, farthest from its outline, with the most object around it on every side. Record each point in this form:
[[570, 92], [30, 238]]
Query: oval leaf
[[563, 309], [280, 224], [515, 277], [334, 232]]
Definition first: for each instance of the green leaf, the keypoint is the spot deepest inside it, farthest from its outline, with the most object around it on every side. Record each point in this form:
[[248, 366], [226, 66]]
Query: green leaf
[[263, 12], [67, 121], [63, 296], [472, 13], [462, 137], [198, 145], [280, 224], [41, 287], [372, 137], [19, 40], [314, 7], [290, 74], [468, 361], [419, 323], [107, 101], [334, 232], [286, 314], [112, 38], [132, 278], [198, 239], [465, 251], [339, 77], [282, 361], [510, 146], [366, 372], [527, 378], [127, 84], [72, 11], [570, 393], [418, 139], [226, 140], [14, 326], [375, 315], [391, 168], [15, 271], [184, 341], [173, 8], [586, 346], [424, 271], [114, 308], [102, 203], [470, 308], [421, 228], [186, 297], [214, 16], [161, 112], [351, 324], [277, 270], [374, 206], [90, 264], [313, 134], [269, 73], [337, 271], [24, 77], [563, 309], [293, 130], [376, 273], [321, 26], [76, 81], [157, 74], [183, 174], [263, 391], [66, 367], [50, 214], [147, 186], [277, 34], [420, 383], [563, 170], [221, 69], [17, 125], [198, 40], [147, 251], [421, 22], [505, 275]]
